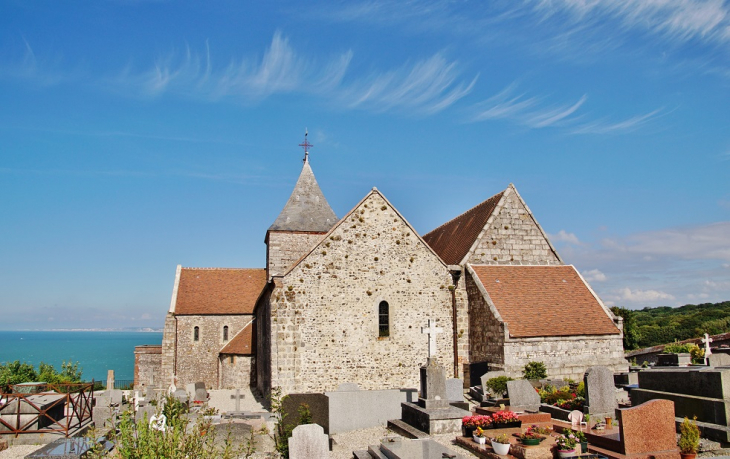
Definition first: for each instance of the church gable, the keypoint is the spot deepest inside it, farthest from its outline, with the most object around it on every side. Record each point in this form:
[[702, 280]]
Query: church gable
[[512, 235], [352, 309]]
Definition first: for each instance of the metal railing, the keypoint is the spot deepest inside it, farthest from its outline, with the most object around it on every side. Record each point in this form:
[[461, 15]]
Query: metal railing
[[53, 408]]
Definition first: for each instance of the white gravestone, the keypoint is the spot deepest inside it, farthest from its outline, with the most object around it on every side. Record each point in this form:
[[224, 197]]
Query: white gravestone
[[309, 441], [431, 331]]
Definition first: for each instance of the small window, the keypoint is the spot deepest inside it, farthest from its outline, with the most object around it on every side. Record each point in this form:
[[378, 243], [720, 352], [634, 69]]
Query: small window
[[233, 359], [196, 334], [225, 333], [383, 319]]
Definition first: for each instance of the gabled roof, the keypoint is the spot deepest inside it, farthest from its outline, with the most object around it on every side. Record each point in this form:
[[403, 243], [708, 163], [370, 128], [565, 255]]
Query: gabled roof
[[537, 301], [242, 343], [217, 290], [452, 240], [307, 209]]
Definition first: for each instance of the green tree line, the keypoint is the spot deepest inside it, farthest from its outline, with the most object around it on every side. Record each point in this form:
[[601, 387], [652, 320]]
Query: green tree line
[[17, 373], [654, 326]]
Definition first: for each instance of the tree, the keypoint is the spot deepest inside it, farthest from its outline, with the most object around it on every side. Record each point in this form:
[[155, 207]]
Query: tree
[[631, 330]]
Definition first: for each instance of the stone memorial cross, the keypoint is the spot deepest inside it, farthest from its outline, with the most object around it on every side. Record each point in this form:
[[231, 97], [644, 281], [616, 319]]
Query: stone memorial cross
[[707, 340], [431, 331], [237, 397]]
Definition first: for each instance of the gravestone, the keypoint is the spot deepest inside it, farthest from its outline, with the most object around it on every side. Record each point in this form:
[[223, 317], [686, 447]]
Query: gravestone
[[115, 396], [110, 379], [454, 390], [719, 359], [433, 385], [522, 396], [600, 392], [649, 428], [487, 376], [237, 397], [308, 442], [181, 395], [674, 360]]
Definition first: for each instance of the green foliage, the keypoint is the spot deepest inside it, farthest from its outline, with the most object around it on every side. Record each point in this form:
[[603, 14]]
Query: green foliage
[[662, 325], [283, 429], [498, 385], [17, 373], [305, 414], [631, 330], [174, 410], [688, 348], [689, 436], [534, 370]]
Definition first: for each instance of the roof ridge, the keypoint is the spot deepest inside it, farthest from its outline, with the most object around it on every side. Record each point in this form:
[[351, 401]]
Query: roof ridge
[[223, 269], [465, 212]]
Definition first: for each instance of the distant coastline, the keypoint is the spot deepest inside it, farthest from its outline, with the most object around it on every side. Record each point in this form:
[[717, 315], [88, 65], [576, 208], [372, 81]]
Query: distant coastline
[[134, 330]]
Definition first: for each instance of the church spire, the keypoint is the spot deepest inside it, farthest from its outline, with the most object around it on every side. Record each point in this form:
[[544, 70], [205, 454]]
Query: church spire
[[307, 209]]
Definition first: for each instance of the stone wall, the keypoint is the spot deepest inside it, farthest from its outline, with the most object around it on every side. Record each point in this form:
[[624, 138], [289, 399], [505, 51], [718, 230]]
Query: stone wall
[[565, 357], [462, 329], [148, 367], [169, 338], [512, 236], [486, 333], [236, 371], [262, 330], [198, 360], [283, 249], [324, 313]]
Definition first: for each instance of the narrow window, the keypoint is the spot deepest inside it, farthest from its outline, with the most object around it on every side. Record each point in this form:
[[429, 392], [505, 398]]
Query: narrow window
[[383, 319], [196, 334], [233, 359], [225, 333]]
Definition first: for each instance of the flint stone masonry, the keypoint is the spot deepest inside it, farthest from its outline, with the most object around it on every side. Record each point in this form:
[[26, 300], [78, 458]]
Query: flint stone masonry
[[513, 236], [308, 442], [522, 396], [236, 371], [198, 360], [148, 366], [324, 336], [600, 391], [285, 248]]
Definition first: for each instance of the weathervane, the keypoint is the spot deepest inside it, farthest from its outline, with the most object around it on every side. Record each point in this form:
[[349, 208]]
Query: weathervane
[[306, 145]]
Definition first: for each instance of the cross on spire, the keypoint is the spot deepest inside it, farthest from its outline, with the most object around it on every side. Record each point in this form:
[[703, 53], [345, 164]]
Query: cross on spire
[[306, 145], [431, 331]]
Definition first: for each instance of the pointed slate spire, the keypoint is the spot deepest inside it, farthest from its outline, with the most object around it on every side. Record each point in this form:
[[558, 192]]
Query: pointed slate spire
[[307, 209]]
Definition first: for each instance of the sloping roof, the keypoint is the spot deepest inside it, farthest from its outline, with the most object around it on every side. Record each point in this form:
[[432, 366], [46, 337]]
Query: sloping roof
[[242, 343], [544, 301], [218, 290], [452, 240], [307, 209]]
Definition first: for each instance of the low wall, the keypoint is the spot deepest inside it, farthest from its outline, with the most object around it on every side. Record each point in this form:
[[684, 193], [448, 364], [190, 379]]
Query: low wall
[[700, 382], [706, 409]]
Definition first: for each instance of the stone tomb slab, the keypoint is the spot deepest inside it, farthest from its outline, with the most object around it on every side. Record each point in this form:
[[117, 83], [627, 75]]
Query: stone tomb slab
[[522, 396], [68, 448], [433, 421], [417, 449]]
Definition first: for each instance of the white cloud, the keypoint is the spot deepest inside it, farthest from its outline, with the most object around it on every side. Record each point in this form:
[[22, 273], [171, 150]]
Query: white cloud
[[564, 236], [607, 127], [594, 275], [643, 296]]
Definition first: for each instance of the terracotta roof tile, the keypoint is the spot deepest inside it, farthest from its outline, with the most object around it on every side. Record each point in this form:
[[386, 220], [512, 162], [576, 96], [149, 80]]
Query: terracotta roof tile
[[452, 240], [544, 301], [218, 290], [242, 343]]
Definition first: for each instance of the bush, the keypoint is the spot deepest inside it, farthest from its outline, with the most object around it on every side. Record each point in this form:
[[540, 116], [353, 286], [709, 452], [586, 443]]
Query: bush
[[498, 385], [687, 348], [534, 370], [17, 373], [689, 436]]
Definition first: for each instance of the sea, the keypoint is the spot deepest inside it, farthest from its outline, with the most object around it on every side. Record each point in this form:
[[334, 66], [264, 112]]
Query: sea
[[95, 351]]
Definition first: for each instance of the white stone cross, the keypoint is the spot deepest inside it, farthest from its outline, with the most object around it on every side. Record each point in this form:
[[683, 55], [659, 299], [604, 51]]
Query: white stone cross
[[431, 330], [707, 340]]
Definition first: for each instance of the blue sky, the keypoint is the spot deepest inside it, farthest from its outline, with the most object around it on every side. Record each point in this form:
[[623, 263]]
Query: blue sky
[[135, 136]]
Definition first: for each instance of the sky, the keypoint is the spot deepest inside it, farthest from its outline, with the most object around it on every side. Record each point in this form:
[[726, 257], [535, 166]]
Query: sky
[[139, 135]]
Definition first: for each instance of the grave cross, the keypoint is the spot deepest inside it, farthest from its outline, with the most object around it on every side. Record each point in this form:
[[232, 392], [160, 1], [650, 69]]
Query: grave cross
[[237, 398], [707, 340], [431, 331]]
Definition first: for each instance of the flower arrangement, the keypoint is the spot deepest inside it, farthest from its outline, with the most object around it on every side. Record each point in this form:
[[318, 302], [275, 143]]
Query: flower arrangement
[[479, 432], [504, 417], [538, 430], [571, 404], [473, 422], [580, 436], [566, 441], [530, 435], [502, 438]]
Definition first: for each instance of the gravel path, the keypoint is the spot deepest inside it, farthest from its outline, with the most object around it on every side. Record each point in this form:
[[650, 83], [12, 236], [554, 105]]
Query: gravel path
[[19, 451]]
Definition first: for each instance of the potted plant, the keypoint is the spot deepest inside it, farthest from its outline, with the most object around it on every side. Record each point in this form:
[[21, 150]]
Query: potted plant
[[504, 419], [479, 436], [566, 444], [534, 435], [689, 438], [470, 423], [581, 438], [501, 445]]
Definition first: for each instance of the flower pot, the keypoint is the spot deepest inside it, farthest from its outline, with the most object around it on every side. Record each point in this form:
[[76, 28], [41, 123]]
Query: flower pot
[[500, 448], [480, 440], [531, 441], [583, 447], [566, 453], [468, 431], [688, 455], [505, 425]]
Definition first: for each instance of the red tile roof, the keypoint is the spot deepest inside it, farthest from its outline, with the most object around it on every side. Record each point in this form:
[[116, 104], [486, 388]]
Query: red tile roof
[[452, 240], [241, 344], [218, 290], [544, 301]]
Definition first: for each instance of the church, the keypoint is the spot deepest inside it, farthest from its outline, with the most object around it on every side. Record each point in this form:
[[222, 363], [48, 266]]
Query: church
[[346, 300]]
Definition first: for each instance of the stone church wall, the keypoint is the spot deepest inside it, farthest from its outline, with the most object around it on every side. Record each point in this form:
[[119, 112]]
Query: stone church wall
[[486, 333], [198, 360], [236, 371], [148, 367], [324, 313], [513, 237], [286, 248], [167, 368]]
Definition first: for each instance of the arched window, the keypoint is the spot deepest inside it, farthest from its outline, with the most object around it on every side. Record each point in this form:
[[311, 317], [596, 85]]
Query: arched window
[[383, 319], [225, 333], [196, 334]]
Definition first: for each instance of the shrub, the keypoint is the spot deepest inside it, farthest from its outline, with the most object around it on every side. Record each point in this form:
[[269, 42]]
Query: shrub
[[689, 436], [498, 385], [17, 373], [687, 348], [534, 370]]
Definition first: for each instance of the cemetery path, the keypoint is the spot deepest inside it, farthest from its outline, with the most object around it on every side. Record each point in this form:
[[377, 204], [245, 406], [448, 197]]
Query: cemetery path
[[18, 451]]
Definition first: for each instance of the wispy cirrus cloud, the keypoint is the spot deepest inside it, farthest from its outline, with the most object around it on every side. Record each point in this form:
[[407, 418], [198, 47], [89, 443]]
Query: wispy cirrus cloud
[[534, 113]]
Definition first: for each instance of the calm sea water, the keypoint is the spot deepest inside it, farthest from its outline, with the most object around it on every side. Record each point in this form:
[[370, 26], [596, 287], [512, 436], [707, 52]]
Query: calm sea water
[[96, 351]]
